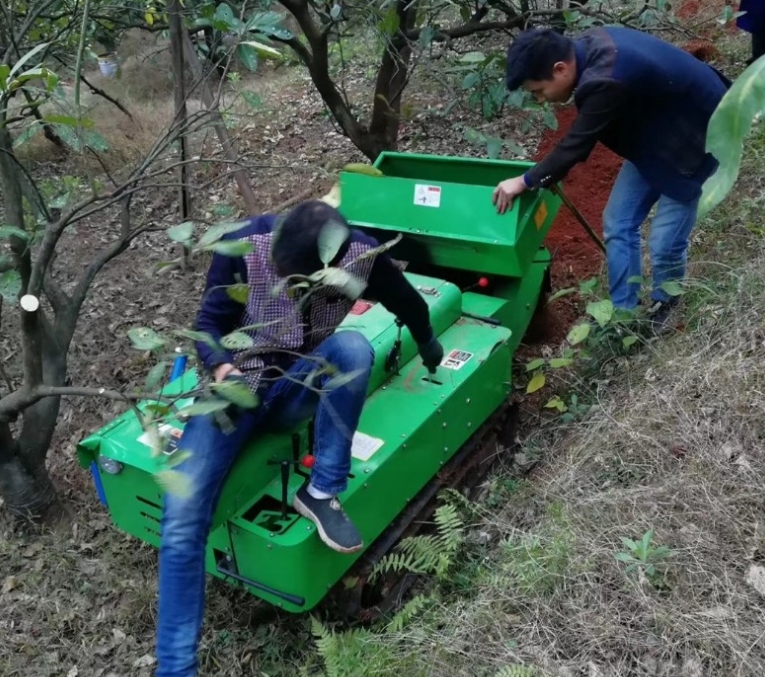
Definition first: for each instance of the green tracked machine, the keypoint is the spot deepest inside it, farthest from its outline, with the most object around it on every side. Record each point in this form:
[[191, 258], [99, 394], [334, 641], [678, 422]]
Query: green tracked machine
[[482, 275]]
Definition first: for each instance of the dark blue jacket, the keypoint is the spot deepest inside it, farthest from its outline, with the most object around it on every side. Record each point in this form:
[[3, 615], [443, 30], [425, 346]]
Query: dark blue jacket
[[646, 100], [219, 314], [753, 18]]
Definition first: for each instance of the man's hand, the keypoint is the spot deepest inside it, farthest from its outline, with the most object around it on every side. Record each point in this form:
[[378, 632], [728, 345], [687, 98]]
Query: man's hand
[[222, 370], [506, 192], [432, 353]]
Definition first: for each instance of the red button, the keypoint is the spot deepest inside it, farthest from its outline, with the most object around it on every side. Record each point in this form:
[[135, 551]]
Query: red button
[[483, 282], [308, 461]]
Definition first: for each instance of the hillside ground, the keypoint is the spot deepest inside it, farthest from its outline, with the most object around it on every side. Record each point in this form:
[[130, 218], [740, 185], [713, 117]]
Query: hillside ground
[[664, 445]]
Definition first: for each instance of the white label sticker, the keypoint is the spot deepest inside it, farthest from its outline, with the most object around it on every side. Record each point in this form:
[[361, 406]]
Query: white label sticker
[[364, 446], [456, 359], [427, 196]]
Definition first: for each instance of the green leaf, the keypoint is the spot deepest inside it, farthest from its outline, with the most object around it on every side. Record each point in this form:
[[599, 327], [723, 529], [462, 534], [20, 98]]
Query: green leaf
[[578, 333], [237, 392], [628, 341], [10, 285], [561, 292], [238, 292], [68, 121], [535, 364], [237, 340], [248, 56], [728, 128], [556, 403], [672, 287], [198, 336], [144, 338], [635, 279], [342, 379], [647, 536], [36, 50], [587, 286], [155, 375], [205, 407], [331, 238], [263, 50], [28, 134], [174, 482], [629, 543], [217, 231], [471, 79], [536, 383], [624, 557], [346, 283], [426, 35], [493, 147], [558, 362], [182, 232], [602, 311], [7, 232], [253, 100], [232, 247], [5, 71]]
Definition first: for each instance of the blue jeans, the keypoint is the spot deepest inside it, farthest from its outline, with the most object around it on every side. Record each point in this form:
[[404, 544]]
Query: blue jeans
[[186, 520], [628, 206]]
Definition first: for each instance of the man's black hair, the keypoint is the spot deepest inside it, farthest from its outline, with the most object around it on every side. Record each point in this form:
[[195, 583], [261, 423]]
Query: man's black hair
[[532, 55], [295, 249]]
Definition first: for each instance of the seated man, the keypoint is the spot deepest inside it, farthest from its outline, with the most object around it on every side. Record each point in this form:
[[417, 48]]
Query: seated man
[[649, 102], [295, 338]]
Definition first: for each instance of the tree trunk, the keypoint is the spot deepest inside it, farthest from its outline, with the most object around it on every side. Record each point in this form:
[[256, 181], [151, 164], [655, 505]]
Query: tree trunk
[[391, 81]]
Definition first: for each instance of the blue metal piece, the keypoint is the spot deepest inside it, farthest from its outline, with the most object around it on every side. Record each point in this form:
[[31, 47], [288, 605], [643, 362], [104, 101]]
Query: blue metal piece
[[97, 482], [179, 366]]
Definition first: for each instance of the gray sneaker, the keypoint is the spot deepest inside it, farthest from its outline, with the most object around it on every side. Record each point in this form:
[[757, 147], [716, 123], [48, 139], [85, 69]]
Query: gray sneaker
[[334, 527]]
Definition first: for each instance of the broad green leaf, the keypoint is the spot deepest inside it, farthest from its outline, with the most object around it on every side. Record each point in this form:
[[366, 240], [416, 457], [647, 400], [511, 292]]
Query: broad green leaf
[[347, 284], [471, 79], [205, 407], [7, 232], [536, 382], [561, 292], [535, 364], [10, 285], [239, 292], [426, 35], [174, 482], [95, 141], [493, 147], [635, 279], [263, 50], [237, 392], [578, 333], [232, 247], [248, 56], [144, 338], [390, 21], [182, 232], [237, 340], [31, 131], [68, 121], [588, 286], [331, 238], [198, 337], [36, 50], [155, 375], [628, 341], [728, 128], [624, 557], [473, 57], [556, 403], [342, 379], [216, 232], [224, 15], [672, 287], [602, 311], [559, 362], [253, 100]]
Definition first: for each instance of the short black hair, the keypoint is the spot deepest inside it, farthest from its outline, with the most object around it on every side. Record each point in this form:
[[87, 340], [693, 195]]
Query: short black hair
[[295, 249], [532, 55]]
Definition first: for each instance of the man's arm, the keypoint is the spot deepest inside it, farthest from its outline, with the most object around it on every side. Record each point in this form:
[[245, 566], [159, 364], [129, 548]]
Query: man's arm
[[219, 314], [388, 285], [600, 104]]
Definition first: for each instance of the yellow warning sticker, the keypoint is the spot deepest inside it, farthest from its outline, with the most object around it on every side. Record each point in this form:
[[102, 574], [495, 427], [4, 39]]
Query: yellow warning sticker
[[541, 215]]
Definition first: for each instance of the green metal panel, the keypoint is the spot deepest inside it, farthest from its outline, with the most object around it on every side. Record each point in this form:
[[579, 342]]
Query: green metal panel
[[444, 205]]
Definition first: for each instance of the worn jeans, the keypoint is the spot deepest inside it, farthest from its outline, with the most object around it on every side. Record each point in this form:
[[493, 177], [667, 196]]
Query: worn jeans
[[628, 206], [186, 520]]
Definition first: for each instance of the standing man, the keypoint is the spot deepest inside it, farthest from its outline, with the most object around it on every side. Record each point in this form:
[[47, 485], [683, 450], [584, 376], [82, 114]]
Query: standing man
[[287, 385], [649, 102], [753, 21]]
